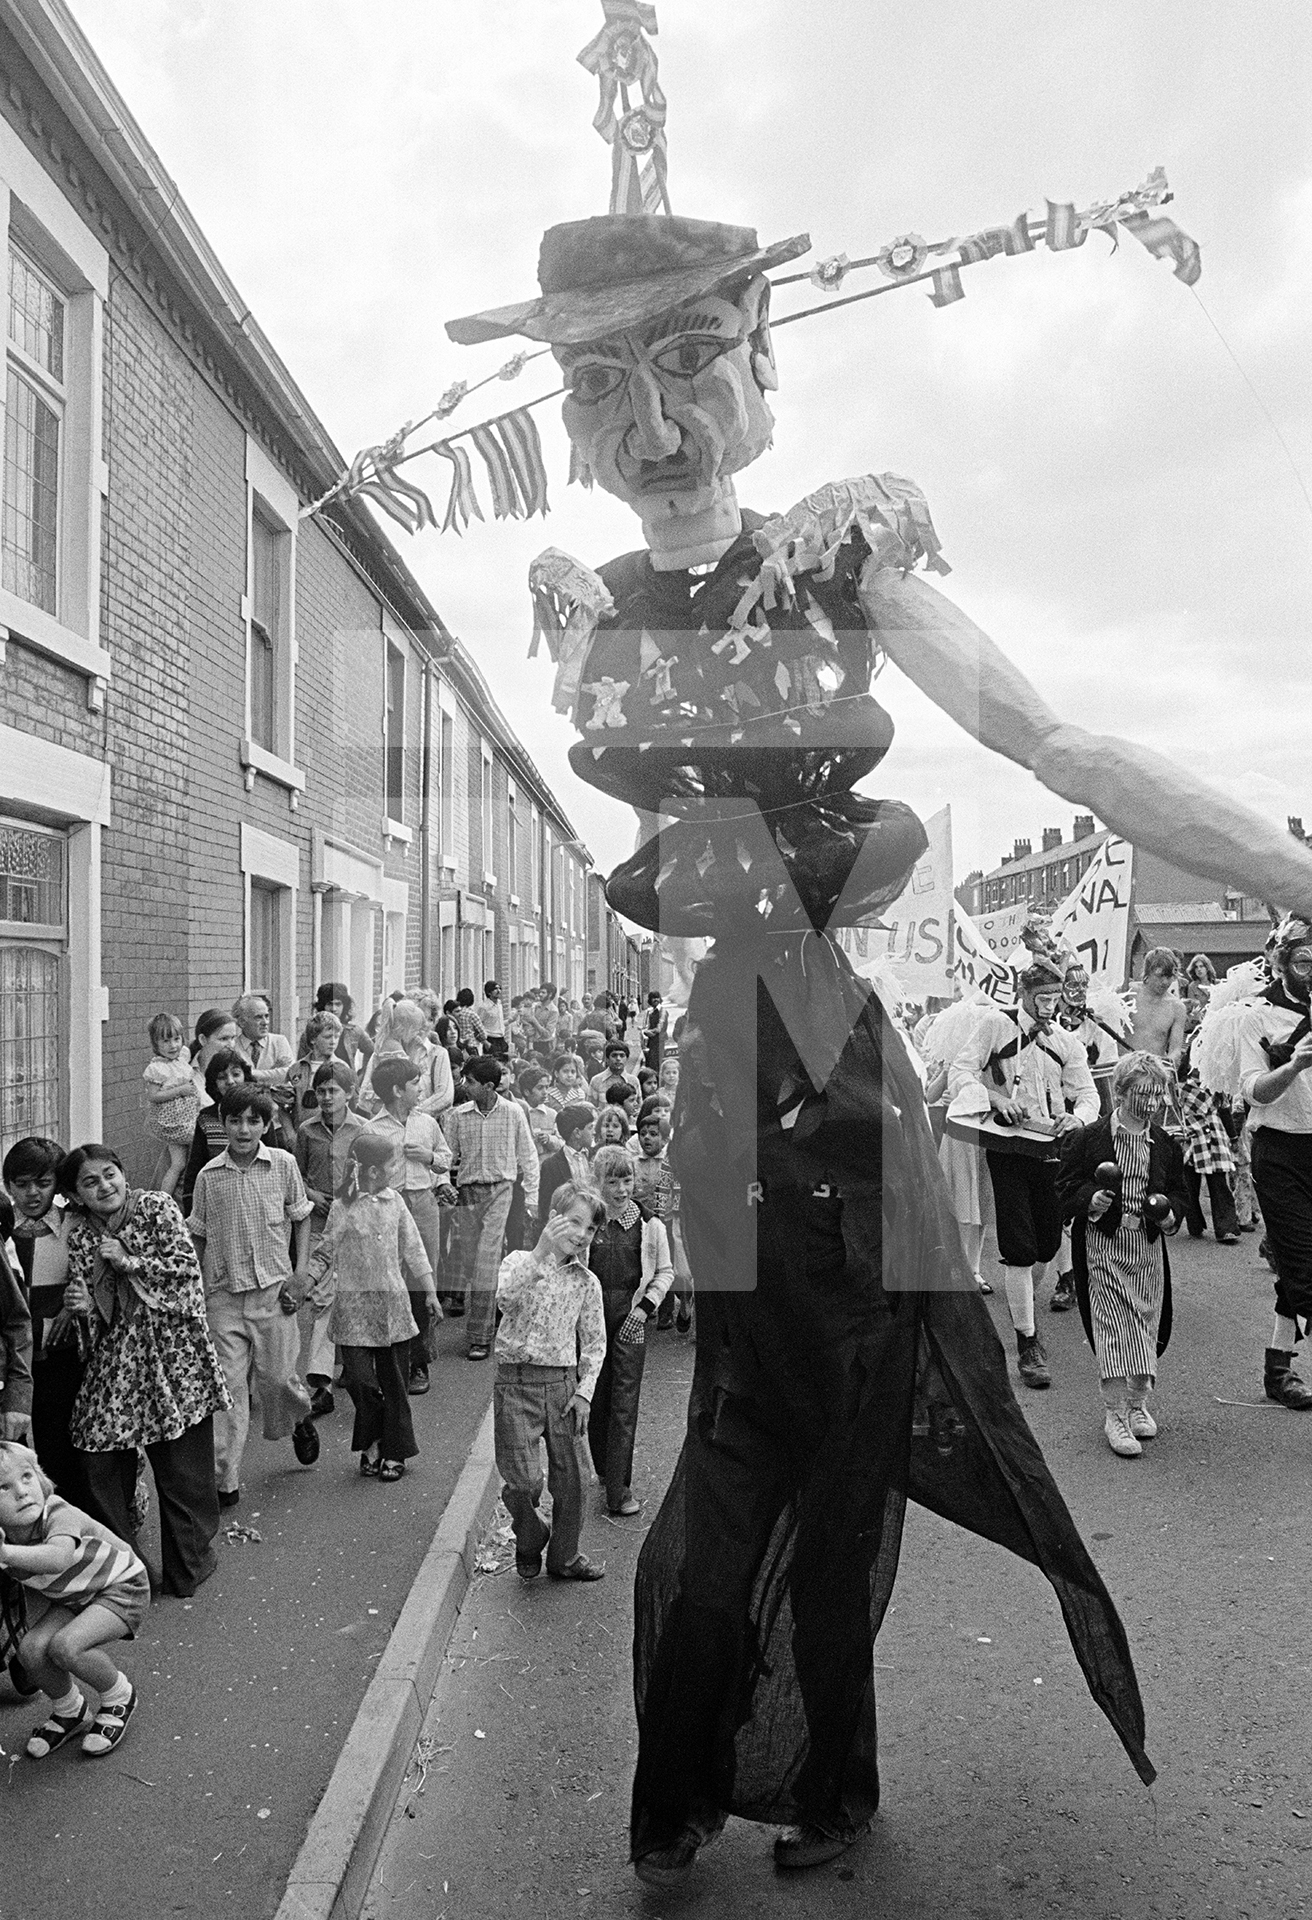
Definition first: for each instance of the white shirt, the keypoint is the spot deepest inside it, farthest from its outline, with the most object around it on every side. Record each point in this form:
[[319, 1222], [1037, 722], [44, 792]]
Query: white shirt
[[1292, 1111], [1043, 1073]]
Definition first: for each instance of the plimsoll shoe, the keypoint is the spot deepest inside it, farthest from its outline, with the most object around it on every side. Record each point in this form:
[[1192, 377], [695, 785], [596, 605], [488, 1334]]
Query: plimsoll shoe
[[1141, 1423], [807, 1846], [1119, 1438]]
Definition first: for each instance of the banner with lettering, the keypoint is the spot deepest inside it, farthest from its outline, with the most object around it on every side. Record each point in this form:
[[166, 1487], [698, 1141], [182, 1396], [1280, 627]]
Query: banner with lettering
[[975, 967], [1001, 933], [914, 933], [1094, 918]]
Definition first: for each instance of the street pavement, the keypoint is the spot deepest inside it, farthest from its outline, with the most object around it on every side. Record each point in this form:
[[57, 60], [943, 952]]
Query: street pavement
[[1006, 1794], [247, 1691]]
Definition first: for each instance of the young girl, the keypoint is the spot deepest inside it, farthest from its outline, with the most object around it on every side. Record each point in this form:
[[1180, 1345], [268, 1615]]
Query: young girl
[[368, 1240], [532, 1087], [97, 1591], [1122, 1275], [612, 1128], [171, 1091]]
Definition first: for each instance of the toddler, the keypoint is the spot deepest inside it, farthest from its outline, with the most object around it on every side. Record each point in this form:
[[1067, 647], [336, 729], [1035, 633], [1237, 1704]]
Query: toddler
[[97, 1591], [171, 1091]]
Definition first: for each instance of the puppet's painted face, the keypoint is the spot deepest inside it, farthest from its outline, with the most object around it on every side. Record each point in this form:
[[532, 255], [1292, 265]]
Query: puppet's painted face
[[1075, 990], [665, 413]]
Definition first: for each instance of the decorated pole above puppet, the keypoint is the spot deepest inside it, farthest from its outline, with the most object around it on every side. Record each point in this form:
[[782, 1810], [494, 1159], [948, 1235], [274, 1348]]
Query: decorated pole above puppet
[[630, 117], [623, 59]]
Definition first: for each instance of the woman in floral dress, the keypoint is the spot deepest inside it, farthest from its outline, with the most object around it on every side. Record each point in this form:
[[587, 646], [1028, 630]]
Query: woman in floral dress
[[153, 1380]]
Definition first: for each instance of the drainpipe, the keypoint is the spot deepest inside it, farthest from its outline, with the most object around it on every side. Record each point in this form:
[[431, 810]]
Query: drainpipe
[[425, 827]]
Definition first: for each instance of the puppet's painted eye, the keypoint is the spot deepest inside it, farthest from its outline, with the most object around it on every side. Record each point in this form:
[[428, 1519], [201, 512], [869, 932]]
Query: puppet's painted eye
[[596, 381], [689, 357]]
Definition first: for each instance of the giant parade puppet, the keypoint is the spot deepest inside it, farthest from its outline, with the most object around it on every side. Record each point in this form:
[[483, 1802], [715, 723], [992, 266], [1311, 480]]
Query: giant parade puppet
[[719, 676]]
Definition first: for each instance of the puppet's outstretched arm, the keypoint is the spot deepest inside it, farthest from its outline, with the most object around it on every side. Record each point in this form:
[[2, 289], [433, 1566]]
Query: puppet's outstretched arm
[[1137, 793]]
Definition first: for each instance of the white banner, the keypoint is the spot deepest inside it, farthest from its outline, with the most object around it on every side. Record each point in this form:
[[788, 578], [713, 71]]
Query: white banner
[[913, 935], [975, 966], [1001, 933], [1094, 918]]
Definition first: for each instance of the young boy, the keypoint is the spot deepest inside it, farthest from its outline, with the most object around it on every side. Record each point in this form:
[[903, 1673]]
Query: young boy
[[41, 1243], [244, 1203], [491, 1147], [420, 1159], [550, 1346], [323, 1144], [627, 1099], [657, 1192], [574, 1126], [614, 1074]]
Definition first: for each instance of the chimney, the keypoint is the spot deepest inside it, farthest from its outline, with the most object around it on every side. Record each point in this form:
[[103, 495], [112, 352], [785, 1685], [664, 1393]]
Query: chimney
[[1083, 826], [1051, 838], [1021, 850]]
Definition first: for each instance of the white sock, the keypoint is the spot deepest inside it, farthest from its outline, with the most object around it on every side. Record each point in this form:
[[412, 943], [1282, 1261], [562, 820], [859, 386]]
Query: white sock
[[72, 1703], [119, 1694], [1019, 1283], [1284, 1334]]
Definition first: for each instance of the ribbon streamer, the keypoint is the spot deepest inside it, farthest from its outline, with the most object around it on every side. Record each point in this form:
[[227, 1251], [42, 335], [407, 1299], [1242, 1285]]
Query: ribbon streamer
[[947, 287], [463, 502], [568, 600], [621, 57]]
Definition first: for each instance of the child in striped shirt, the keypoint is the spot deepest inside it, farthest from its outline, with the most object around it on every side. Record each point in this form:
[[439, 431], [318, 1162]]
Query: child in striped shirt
[[96, 1590]]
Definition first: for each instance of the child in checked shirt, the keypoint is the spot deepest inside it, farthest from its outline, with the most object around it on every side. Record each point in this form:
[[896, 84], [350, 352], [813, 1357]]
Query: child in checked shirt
[[549, 1349]]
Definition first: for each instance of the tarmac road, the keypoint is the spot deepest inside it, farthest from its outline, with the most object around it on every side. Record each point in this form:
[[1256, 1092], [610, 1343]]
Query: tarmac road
[[247, 1691], [1006, 1794]]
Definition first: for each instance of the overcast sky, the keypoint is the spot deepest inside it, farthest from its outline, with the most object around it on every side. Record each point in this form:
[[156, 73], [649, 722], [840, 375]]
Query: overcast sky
[[1118, 511]]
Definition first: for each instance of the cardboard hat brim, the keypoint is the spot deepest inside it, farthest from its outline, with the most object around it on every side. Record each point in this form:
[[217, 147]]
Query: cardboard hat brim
[[590, 313]]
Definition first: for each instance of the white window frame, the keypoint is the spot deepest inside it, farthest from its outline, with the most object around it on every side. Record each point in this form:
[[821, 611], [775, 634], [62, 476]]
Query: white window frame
[[278, 863], [70, 790], [488, 811], [46, 227], [512, 843], [535, 857], [446, 775], [270, 494], [394, 641], [396, 912]]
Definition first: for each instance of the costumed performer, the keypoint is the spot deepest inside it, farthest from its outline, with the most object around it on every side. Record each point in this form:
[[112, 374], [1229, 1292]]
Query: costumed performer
[[1275, 1052], [720, 673], [1027, 1072], [1122, 1274]]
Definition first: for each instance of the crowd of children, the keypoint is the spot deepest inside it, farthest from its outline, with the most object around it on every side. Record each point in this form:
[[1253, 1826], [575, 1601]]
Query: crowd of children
[[312, 1207]]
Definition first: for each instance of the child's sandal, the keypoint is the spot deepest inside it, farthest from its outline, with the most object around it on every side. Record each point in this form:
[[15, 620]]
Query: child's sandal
[[369, 1466], [391, 1469], [108, 1728], [56, 1732]]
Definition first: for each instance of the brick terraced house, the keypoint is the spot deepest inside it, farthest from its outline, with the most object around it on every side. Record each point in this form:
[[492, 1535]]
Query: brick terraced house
[[238, 747]]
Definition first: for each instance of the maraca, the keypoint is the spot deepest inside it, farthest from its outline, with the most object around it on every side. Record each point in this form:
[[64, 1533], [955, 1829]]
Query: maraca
[[1157, 1208], [1108, 1175]]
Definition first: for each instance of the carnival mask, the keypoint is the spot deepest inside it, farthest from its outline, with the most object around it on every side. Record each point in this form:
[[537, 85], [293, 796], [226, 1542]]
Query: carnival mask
[[1075, 991], [664, 414]]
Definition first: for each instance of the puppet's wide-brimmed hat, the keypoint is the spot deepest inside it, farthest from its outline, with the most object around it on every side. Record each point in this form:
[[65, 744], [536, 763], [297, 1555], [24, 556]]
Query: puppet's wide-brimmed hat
[[618, 270]]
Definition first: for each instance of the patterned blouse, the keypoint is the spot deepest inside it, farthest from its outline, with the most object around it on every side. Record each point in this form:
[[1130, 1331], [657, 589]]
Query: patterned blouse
[[153, 1371], [366, 1244], [551, 1316]]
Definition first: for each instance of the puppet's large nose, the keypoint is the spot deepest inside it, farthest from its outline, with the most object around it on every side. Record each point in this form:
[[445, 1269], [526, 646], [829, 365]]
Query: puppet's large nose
[[652, 436]]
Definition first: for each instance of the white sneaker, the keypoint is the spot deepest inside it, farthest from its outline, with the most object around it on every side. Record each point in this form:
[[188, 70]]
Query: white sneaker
[[1119, 1437], [1142, 1424]]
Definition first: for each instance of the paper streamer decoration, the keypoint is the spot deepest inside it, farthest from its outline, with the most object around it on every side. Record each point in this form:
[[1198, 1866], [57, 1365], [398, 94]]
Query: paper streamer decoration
[[568, 601], [947, 287], [622, 57]]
